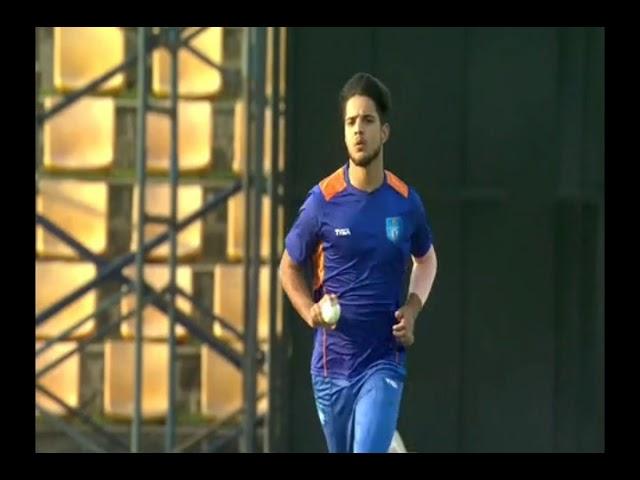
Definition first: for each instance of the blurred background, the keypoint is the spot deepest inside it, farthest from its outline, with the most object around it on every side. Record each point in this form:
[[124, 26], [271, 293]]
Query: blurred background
[[500, 130]]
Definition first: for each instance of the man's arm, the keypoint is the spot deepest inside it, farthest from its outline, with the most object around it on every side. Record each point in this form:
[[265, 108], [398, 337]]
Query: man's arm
[[296, 288], [423, 274]]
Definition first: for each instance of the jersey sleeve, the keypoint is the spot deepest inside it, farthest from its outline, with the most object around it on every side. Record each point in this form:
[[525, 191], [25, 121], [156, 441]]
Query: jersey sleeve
[[304, 235], [421, 238]]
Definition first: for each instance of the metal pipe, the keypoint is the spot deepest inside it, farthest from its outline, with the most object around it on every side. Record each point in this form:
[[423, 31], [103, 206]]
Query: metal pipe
[[173, 245], [253, 215], [274, 184], [141, 141]]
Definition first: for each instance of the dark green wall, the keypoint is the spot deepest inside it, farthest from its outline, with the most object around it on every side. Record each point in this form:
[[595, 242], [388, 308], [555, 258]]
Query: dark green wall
[[501, 130]]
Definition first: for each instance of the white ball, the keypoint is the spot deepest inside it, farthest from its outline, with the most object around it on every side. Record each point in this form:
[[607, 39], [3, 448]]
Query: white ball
[[330, 312]]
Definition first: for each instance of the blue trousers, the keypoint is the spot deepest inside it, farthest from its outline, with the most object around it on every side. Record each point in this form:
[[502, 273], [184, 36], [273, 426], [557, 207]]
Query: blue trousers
[[360, 415]]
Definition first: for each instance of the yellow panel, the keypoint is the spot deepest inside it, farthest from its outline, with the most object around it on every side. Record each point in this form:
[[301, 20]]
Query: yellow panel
[[63, 381], [80, 137], [236, 227], [228, 299], [195, 137], [196, 78], [119, 371], [269, 61], [221, 385], [158, 203], [155, 323], [55, 280], [80, 208], [240, 138], [83, 54]]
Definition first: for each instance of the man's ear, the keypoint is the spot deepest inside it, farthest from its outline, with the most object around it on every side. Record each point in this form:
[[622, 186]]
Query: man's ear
[[386, 131]]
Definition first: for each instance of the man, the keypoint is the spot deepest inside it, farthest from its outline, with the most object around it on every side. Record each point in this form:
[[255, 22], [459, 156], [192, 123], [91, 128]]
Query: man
[[359, 226]]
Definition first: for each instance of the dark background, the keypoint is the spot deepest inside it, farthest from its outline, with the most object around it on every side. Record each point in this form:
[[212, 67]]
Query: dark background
[[501, 131]]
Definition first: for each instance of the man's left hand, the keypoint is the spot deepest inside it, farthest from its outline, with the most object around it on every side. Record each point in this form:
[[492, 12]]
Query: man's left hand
[[403, 330]]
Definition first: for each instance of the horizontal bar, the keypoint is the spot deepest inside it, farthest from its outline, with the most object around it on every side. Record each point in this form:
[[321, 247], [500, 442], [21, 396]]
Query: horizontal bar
[[161, 109], [157, 219]]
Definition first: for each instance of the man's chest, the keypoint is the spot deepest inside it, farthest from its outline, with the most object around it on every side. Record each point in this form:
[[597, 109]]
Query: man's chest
[[367, 230]]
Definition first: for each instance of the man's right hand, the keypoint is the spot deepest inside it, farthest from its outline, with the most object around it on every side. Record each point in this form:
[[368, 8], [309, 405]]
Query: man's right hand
[[295, 286], [315, 314]]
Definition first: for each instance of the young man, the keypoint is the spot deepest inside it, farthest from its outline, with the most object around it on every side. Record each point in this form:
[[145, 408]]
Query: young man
[[360, 226]]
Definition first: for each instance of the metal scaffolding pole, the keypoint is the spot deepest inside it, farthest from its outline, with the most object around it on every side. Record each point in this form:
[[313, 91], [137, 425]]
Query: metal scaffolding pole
[[174, 42], [273, 412], [254, 90], [141, 154], [144, 106]]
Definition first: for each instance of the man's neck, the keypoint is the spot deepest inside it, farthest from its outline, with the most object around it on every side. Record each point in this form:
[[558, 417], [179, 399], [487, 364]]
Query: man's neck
[[367, 178]]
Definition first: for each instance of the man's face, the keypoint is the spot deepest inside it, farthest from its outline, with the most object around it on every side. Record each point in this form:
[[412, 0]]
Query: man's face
[[363, 133]]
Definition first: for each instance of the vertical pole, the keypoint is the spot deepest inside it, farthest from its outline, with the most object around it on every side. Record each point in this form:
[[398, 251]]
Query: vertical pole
[[273, 412], [141, 140], [247, 437], [253, 214], [174, 39]]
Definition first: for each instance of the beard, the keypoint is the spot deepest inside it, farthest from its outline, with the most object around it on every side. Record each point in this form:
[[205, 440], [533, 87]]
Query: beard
[[367, 159]]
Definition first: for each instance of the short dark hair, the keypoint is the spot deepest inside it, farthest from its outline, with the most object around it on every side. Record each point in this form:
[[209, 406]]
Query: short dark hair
[[369, 86]]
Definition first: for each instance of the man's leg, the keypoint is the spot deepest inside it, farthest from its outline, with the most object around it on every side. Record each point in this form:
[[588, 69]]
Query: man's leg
[[334, 402], [376, 411]]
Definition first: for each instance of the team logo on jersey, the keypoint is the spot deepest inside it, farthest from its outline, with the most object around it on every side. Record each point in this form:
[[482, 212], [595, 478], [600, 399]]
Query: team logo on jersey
[[394, 228]]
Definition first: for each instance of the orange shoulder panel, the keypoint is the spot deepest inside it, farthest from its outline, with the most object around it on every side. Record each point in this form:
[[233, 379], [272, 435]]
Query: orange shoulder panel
[[333, 184], [397, 184]]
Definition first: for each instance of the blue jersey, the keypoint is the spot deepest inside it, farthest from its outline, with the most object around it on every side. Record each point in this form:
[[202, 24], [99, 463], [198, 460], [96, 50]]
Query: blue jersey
[[360, 244]]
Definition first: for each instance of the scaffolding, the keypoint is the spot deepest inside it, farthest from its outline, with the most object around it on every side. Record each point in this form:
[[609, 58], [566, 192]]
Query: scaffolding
[[252, 361]]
